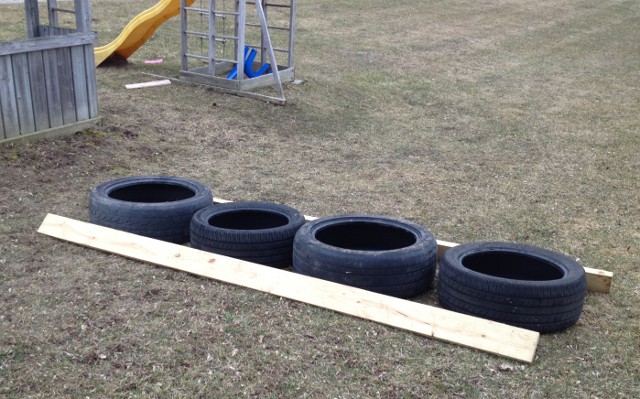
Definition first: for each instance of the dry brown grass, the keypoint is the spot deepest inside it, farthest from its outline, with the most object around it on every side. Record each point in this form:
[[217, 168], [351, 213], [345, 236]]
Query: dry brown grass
[[489, 120]]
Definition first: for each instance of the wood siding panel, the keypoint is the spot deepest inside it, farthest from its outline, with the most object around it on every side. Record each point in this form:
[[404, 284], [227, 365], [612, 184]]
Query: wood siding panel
[[46, 43], [23, 93], [92, 90], [67, 96], [52, 79], [80, 83], [38, 90], [8, 105]]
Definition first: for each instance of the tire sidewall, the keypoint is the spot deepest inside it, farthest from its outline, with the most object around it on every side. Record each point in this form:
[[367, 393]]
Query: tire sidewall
[[100, 195], [382, 261], [295, 219], [451, 265]]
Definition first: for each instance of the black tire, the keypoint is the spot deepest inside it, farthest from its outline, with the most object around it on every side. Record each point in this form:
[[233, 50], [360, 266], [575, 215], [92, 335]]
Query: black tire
[[259, 232], [377, 253], [159, 207], [516, 284]]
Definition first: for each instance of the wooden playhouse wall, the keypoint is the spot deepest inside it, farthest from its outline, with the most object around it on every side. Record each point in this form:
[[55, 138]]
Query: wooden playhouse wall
[[47, 84]]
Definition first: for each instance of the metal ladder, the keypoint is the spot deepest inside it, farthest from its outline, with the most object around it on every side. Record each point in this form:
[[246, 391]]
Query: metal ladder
[[217, 12]]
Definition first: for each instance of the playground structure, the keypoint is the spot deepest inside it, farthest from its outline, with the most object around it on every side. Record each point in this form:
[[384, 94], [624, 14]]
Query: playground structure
[[138, 31], [233, 40], [220, 42], [48, 81]]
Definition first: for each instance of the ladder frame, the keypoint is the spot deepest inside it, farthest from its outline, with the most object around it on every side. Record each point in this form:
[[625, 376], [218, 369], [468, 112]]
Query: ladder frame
[[214, 72]]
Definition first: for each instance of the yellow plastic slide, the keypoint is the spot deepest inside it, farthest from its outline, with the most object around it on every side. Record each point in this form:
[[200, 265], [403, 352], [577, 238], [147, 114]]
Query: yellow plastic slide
[[139, 30]]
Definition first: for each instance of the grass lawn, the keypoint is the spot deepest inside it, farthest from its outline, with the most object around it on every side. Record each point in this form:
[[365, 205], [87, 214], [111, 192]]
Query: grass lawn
[[501, 120]]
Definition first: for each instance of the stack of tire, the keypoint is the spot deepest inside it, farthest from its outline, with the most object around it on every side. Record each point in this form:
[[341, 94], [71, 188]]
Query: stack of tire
[[517, 284]]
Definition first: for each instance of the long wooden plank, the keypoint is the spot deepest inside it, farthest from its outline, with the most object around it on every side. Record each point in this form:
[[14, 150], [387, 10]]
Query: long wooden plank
[[597, 280], [485, 335], [46, 43]]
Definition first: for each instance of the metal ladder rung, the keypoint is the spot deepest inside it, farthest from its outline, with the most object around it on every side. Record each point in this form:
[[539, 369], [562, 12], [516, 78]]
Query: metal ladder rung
[[206, 35], [197, 56], [270, 27], [278, 5], [282, 50], [197, 9], [225, 37], [222, 60], [225, 13], [199, 34], [63, 10]]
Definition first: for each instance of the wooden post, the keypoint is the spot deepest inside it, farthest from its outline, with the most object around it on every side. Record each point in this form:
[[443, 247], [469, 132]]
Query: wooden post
[[83, 15], [33, 18]]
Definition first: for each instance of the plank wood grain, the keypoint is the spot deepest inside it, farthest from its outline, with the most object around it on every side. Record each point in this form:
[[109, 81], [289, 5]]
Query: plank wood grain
[[444, 325], [8, 104]]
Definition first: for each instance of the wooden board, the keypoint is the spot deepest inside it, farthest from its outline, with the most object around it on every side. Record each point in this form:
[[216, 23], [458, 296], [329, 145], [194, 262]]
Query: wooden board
[[51, 74], [39, 44], [67, 97], [153, 83], [53, 132], [92, 88], [488, 336], [80, 82], [8, 104], [597, 280], [38, 90], [23, 93]]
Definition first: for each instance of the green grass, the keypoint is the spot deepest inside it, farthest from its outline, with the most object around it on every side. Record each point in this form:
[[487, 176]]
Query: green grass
[[506, 120]]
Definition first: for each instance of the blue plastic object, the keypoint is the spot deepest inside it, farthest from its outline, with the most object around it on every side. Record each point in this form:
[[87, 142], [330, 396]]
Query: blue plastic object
[[248, 66], [234, 72]]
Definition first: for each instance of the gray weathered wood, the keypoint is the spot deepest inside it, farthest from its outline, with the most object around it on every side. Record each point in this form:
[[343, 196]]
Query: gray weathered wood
[[32, 18], [63, 130], [38, 87], [48, 81], [52, 78], [67, 96], [46, 43], [48, 31], [83, 15], [92, 90], [9, 107], [80, 82], [21, 81], [2, 132], [53, 15]]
